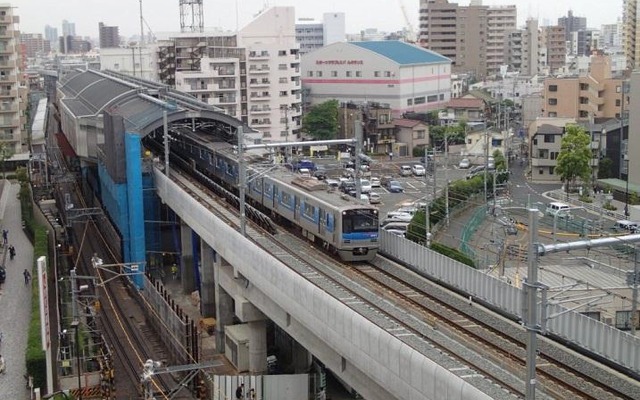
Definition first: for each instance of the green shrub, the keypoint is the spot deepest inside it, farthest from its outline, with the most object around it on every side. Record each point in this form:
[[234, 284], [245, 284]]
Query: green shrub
[[453, 253], [609, 206], [586, 199]]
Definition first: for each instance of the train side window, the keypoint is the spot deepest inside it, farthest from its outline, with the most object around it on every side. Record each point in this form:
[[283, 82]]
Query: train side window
[[330, 223], [308, 210], [229, 169], [257, 186], [268, 190]]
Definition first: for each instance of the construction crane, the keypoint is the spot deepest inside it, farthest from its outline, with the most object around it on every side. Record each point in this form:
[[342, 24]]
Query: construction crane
[[411, 34]]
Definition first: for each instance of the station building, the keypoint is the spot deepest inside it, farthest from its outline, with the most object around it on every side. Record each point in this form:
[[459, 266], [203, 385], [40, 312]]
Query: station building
[[404, 77]]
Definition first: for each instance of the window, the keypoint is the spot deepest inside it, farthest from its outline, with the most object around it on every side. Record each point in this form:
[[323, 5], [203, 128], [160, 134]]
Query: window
[[617, 89], [553, 155], [419, 100], [334, 74], [409, 102], [551, 170], [387, 74], [432, 98], [618, 102], [319, 74], [553, 102], [282, 80], [584, 86], [349, 74], [116, 66], [282, 67], [283, 93], [553, 88], [310, 74], [358, 74], [376, 74], [419, 134], [553, 114], [282, 53], [283, 120], [549, 138], [541, 171]]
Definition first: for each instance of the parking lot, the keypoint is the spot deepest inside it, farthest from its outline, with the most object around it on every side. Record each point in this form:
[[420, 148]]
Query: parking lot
[[416, 188]]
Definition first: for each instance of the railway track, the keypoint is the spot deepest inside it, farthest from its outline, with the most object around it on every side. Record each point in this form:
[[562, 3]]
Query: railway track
[[555, 378], [121, 317], [389, 302]]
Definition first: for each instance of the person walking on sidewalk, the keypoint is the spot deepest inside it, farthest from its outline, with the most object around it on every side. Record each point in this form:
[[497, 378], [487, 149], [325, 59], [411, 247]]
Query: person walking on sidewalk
[[174, 271], [5, 236], [12, 252], [27, 276], [3, 366]]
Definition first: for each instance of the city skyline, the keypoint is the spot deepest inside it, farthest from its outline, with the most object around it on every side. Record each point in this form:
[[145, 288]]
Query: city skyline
[[232, 14]]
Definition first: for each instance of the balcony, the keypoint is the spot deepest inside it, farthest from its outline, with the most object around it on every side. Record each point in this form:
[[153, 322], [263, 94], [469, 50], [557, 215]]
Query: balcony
[[254, 55], [6, 34], [259, 111], [4, 123], [543, 162], [256, 71], [7, 49], [262, 97], [260, 123], [8, 64], [222, 100], [8, 93], [259, 84], [8, 108]]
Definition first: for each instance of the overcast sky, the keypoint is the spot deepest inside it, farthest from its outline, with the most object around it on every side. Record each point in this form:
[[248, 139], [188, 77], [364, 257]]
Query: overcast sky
[[386, 15]]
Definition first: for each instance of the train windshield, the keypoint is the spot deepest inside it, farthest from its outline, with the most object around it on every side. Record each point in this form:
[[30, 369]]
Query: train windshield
[[363, 220]]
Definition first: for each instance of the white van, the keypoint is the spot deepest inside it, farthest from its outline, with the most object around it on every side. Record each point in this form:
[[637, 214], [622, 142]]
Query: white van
[[557, 208], [627, 226]]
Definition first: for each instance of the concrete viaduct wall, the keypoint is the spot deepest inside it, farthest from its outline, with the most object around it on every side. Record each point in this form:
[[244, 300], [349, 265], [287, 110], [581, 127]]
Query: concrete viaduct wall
[[370, 359]]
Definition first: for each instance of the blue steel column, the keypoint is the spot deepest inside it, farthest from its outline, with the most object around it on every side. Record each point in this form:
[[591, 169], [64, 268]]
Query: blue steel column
[[137, 250]]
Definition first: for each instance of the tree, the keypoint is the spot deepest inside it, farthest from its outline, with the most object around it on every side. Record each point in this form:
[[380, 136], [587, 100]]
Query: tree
[[574, 160], [321, 122], [604, 168]]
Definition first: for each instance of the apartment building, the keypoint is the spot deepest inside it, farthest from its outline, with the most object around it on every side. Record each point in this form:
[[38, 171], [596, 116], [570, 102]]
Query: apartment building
[[13, 92], [630, 32], [141, 62], [552, 38], [312, 34], [473, 37], [109, 36], [633, 142], [571, 24], [596, 94], [34, 44], [545, 139], [253, 75], [523, 49]]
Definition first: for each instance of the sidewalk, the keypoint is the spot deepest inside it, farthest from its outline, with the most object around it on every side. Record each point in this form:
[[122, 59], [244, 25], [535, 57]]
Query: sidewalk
[[15, 297]]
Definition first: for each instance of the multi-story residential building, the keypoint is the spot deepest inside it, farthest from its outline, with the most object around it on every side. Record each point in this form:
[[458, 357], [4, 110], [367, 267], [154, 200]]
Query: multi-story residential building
[[523, 49], [73, 44], [51, 34], [472, 37], [584, 42], [141, 62], [611, 35], [500, 21], [545, 140], [13, 94], [553, 39], [572, 24], [253, 75], [630, 32], [312, 34], [109, 36], [595, 95], [396, 74], [34, 44]]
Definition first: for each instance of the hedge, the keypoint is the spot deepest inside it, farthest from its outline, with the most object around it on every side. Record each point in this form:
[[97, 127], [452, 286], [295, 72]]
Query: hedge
[[453, 253]]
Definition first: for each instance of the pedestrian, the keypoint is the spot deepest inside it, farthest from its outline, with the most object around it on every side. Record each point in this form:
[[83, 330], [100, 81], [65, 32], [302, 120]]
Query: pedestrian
[[12, 252], [5, 236], [174, 271], [239, 391], [390, 156], [252, 394], [3, 366], [27, 276]]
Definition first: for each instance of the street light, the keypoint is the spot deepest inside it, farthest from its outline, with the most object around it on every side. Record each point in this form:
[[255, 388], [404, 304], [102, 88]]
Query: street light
[[76, 325]]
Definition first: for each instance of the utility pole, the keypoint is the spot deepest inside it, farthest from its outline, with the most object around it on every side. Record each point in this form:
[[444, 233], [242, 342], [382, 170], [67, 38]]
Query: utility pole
[[634, 299], [166, 142], [427, 227], [242, 180], [531, 310], [486, 162], [446, 176]]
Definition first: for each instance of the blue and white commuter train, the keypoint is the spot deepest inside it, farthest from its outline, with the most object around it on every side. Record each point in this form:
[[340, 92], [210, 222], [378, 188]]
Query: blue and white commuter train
[[338, 223]]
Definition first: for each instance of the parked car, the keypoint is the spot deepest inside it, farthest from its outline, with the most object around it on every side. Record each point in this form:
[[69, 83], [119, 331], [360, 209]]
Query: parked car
[[384, 181], [418, 170], [320, 173], [365, 186], [347, 186], [491, 163], [405, 170], [395, 187], [375, 181], [333, 183], [464, 163], [374, 198]]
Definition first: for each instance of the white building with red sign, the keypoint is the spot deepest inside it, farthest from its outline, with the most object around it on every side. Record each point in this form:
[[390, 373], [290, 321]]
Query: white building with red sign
[[405, 77]]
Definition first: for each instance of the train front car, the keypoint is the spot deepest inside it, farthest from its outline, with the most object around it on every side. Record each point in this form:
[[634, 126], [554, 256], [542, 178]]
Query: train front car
[[359, 233]]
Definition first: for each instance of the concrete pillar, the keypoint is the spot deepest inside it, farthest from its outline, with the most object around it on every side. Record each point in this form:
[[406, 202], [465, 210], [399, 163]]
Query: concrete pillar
[[187, 276], [207, 290], [223, 303], [258, 347]]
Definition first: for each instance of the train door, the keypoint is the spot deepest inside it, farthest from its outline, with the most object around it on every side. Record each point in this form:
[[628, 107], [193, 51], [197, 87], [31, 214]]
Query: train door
[[321, 222], [296, 208]]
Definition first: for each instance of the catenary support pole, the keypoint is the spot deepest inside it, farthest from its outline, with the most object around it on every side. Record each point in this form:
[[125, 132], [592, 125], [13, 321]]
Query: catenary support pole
[[242, 181], [531, 303]]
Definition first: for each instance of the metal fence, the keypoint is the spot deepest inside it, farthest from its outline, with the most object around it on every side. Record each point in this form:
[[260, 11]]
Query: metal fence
[[602, 339], [470, 228]]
